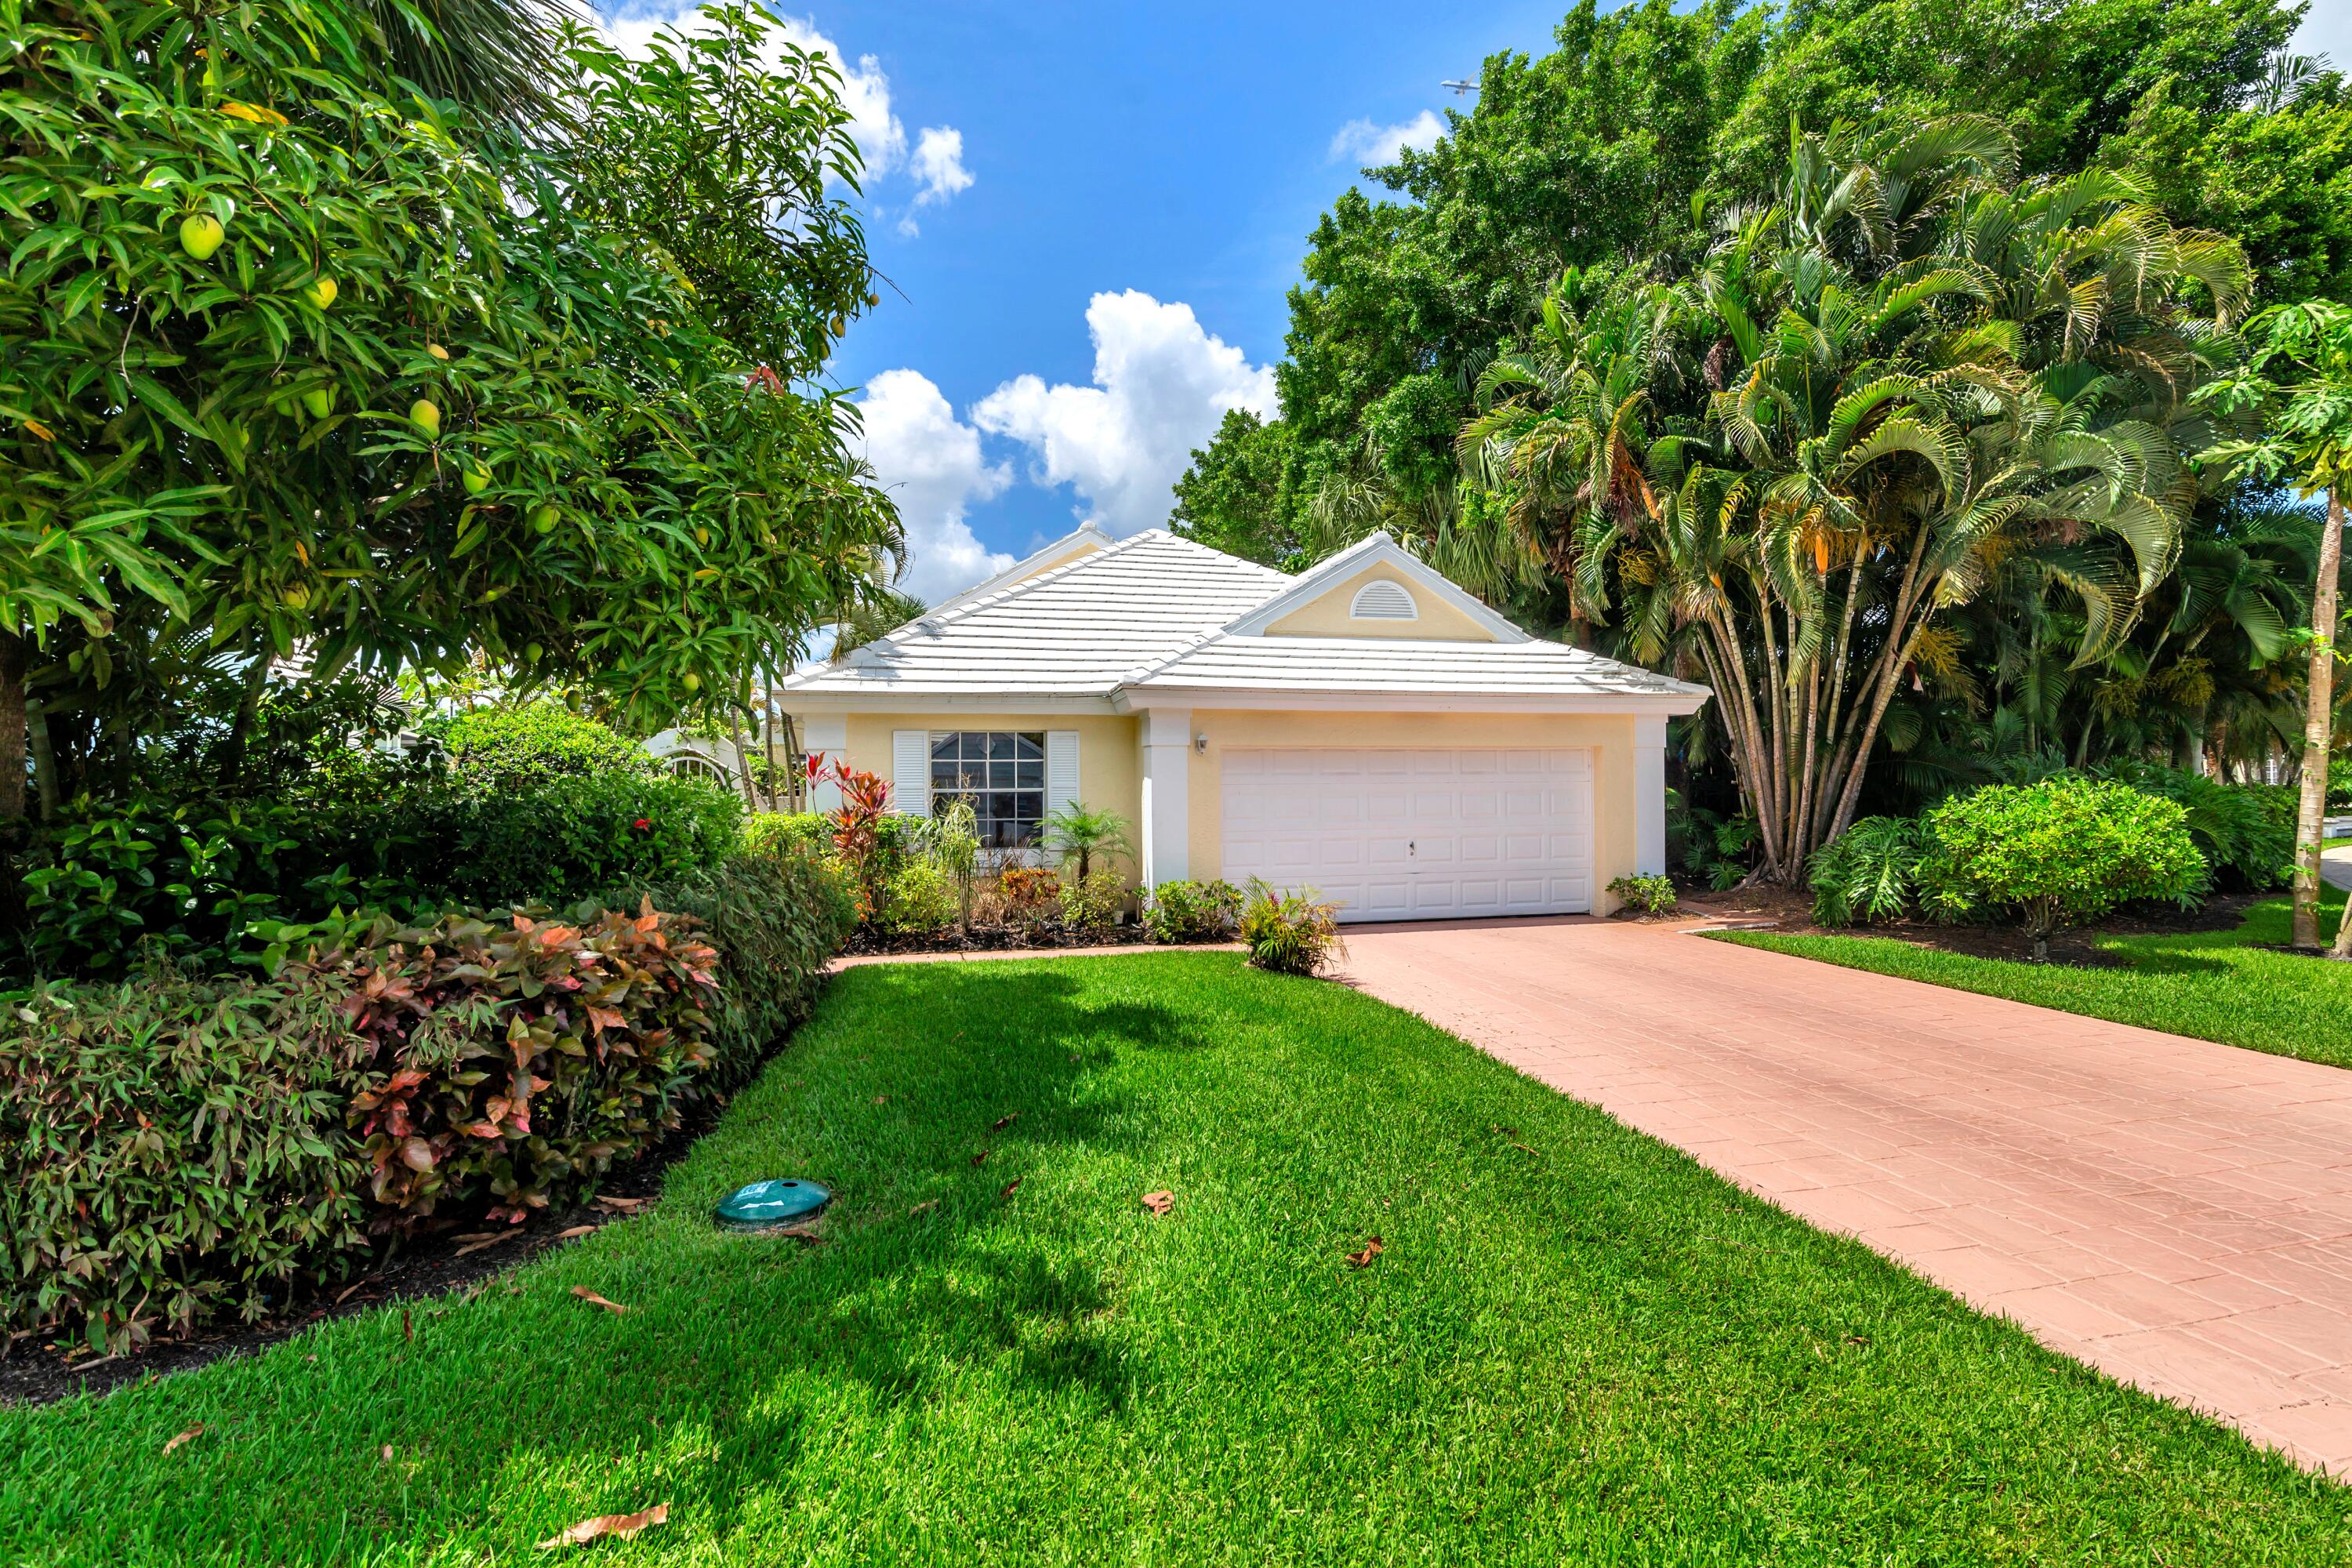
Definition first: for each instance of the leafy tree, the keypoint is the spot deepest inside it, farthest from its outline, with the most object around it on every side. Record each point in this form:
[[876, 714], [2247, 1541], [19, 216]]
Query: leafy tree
[[1786, 470], [296, 360], [2306, 441], [1243, 494]]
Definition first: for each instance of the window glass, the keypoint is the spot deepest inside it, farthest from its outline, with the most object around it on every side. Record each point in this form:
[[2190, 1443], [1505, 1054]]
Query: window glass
[[1001, 773]]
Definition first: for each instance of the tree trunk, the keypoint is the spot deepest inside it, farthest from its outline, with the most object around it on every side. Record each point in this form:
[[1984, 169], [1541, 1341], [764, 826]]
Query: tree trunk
[[240, 728], [14, 654], [743, 763], [45, 756], [2318, 701]]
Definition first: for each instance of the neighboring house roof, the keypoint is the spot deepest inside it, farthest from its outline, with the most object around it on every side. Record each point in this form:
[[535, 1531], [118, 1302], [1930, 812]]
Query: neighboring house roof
[[1156, 617]]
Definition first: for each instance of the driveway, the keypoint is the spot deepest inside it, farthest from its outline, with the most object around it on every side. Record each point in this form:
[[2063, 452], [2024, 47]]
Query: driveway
[[2176, 1213]]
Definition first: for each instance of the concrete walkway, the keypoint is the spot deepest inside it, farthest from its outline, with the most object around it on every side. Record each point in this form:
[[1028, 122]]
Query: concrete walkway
[[2176, 1213], [2335, 867]]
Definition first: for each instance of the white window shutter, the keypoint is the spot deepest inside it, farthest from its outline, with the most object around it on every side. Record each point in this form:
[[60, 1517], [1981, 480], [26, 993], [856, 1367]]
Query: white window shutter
[[910, 772], [1061, 769]]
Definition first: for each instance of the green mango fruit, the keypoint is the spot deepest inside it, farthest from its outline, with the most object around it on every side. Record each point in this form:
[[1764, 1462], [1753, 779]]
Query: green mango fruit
[[322, 292], [426, 414], [476, 478], [200, 234], [545, 519], [320, 401]]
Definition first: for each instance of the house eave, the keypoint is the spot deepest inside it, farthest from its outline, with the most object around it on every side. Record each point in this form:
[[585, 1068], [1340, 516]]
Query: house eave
[[1139, 698]]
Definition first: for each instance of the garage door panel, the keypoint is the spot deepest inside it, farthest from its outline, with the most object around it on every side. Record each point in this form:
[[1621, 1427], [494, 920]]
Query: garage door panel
[[1393, 834]]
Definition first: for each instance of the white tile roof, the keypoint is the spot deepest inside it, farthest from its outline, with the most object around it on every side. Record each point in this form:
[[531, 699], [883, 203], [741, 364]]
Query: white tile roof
[[1152, 613]]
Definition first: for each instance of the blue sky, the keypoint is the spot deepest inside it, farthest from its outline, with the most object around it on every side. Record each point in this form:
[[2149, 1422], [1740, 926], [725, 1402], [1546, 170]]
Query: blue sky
[[1090, 214]]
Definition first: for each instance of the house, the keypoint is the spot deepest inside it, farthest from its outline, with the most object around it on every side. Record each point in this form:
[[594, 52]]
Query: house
[[1367, 728]]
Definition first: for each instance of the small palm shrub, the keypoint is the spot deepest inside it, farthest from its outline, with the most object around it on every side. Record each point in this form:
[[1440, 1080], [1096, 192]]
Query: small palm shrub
[[2056, 853], [1871, 871], [1190, 911], [1651, 895], [1293, 932], [1080, 835]]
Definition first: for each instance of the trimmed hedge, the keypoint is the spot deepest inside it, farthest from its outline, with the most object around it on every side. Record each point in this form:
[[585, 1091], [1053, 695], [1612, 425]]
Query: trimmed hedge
[[171, 1150]]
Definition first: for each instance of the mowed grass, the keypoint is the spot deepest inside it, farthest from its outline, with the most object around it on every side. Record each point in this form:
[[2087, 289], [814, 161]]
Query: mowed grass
[[2215, 985], [1575, 1346]]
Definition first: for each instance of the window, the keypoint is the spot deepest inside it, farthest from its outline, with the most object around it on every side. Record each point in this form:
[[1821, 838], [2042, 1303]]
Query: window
[[693, 765], [1001, 772]]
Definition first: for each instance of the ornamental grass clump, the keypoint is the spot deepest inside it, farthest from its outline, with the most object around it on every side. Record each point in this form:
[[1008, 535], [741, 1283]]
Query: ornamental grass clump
[[2056, 853]]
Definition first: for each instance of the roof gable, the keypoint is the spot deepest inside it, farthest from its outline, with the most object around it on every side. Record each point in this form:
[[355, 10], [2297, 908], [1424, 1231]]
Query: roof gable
[[1344, 597], [1083, 540]]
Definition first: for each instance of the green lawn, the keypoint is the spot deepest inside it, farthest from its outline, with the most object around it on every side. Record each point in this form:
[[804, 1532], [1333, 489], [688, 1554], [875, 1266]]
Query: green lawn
[[2216, 985], [1576, 1347]]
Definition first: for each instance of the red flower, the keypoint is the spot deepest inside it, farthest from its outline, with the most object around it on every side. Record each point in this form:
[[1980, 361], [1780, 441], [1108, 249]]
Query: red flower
[[643, 823]]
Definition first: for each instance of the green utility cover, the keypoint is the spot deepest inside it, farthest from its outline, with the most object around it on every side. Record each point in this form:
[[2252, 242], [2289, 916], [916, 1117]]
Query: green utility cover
[[763, 1205]]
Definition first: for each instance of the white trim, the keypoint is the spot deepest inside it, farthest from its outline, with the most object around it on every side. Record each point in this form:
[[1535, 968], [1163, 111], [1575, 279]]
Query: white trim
[[910, 772], [1649, 796], [1009, 701], [1166, 735], [1379, 550], [1281, 698]]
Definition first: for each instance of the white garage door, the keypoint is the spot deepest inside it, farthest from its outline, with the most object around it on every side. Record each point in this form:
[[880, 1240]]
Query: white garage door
[[1416, 835]]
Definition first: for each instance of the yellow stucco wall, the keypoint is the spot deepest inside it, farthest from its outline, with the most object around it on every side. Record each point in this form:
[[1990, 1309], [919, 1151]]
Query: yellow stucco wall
[[1611, 738], [1326, 614], [1110, 760]]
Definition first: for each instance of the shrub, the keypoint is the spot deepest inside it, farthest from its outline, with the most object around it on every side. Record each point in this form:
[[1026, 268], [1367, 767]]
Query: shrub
[[1190, 911], [777, 832], [2339, 784], [1651, 895], [520, 747], [775, 919], [1031, 894], [169, 1150], [517, 1056], [1872, 866], [1091, 904], [919, 898], [955, 846], [1290, 932], [2245, 832], [864, 835], [2063, 850]]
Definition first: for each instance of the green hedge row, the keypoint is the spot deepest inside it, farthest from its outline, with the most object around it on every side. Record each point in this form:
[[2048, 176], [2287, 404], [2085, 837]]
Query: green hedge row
[[173, 1149]]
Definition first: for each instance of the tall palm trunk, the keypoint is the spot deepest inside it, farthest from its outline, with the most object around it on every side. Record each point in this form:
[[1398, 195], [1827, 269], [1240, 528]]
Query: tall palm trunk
[[2318, 700], [14, 657]]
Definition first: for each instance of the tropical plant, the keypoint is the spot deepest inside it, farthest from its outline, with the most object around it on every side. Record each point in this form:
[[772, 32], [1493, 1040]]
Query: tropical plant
[[860, 836], [1078, 833], [2244, 832], [955, 846], [918, 900], [1785, 471], [1091, 903], [1288, 931], [1870, 870], [1645, 895], [2057, 853], [2306, 440], [1031, 894]]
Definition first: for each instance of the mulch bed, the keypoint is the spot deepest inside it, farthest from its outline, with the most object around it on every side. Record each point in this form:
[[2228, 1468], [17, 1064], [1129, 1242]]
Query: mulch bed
[[1790, 912], [423, 1267]]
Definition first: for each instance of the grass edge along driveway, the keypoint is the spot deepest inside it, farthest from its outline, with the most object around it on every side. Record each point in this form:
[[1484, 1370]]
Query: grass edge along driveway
[[2229, 987], [1573, 1345]]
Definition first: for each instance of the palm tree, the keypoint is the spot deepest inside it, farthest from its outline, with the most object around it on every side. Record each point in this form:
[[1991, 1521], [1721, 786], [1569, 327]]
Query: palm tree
[[1874, 398], [492, 56], [1078, 833]]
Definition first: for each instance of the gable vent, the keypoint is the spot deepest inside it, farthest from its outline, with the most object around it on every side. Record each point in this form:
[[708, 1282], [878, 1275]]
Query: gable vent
[[1383, 601]]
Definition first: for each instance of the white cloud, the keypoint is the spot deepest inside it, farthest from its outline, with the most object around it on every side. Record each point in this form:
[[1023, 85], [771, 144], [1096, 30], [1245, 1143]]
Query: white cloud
[[1161, 384], [1362, 143], [931, 465], [937, 166]]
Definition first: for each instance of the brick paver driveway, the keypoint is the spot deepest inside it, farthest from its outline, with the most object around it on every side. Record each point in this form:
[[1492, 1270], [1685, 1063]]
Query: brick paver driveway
[[2174, 1211]]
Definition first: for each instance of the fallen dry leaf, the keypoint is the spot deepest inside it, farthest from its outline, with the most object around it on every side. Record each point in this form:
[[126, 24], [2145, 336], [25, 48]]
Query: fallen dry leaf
[[593, 1299], [1159, 1201], [619, 1525], [923, 1208], [1009, 1187], [881, 1099], [479, 1236], [620, 1206], [575, 1230], [407, 1329], [485, 1241], [1005, 1120], [387, 1453], [1372, 1249], [183, 1436], [976, 1159], [348, 1289], [807, 1233]]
